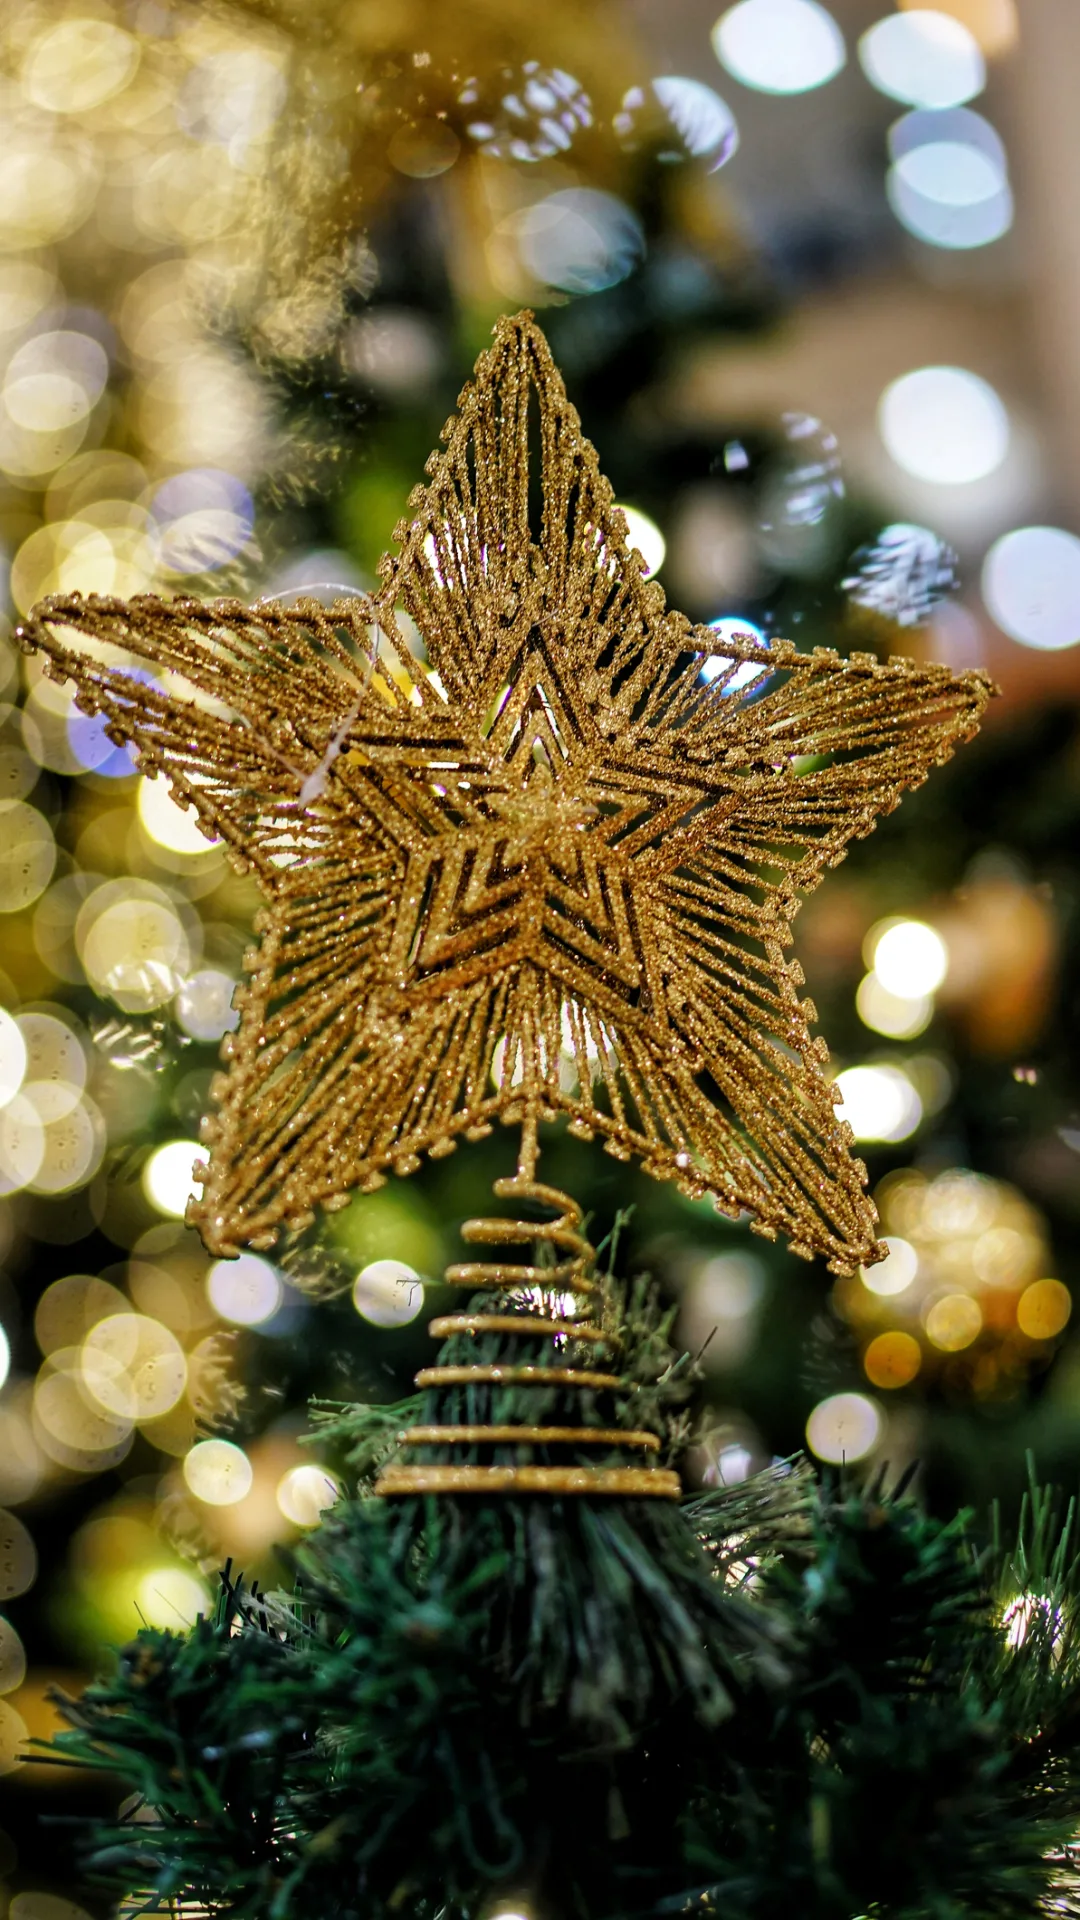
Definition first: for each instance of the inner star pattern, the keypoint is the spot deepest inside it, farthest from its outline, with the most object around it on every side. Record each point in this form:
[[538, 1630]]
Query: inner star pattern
[[522, 856]]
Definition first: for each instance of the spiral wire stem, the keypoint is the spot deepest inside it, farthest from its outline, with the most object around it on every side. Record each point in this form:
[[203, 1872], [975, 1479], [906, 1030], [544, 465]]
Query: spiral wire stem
[[565, 1290]]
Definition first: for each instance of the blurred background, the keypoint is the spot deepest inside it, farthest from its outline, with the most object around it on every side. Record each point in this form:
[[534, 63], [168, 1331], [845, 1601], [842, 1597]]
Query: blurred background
[[813, 280]]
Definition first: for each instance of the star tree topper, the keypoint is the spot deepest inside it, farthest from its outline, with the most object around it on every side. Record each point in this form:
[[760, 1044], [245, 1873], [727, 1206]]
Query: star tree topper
[[537, 863]]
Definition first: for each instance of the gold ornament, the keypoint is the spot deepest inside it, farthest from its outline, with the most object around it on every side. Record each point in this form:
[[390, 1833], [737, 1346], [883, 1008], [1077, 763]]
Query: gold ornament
[[536, 864]]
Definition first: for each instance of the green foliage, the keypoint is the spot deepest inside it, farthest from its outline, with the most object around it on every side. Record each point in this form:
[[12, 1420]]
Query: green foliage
[[383, 1742], [794, 1697]]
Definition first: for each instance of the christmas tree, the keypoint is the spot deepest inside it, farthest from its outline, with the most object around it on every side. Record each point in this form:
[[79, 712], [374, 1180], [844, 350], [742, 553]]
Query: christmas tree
[[553, 876]]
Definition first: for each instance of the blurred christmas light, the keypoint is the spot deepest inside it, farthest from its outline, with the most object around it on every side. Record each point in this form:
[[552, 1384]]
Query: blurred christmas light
[[204, 1004], [12, 1658], [388, 1293], [78, 64], [18, 1557], [645, 536], [132, 944], [27, 856], [923, 57], [779, 46], [14, 1740], [679, 119], [22, 1144], [166, 1178], [172, 826], [579, 240], [218, 1472], [909, 958], [878, 1102], [171, 1597], [205, 516], [892, 1360], [954, 1322], [896, 1272], [305, 1493], [393, 349], [1031, 587], [133, 1366], [948, 183], [246, 1291], [12, 1057], [846, 1426], [5, 1357], [718, 1310], [898, 1016], [944, 424], [1043, 1309]]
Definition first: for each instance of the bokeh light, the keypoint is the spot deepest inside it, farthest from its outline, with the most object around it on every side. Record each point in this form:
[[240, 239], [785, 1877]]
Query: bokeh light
[[1043, 1309], [12, 1057], [779, 46], [896, 1272], [954, 1322], [898, 1016], [644, 535], [846, 1426], [166, 1177], [995, 24], [944, 424], [218, 1472], [878, 1102], [204, 1005], [579, 240], [171, 1597], [923, 57], [909, 957], [246, 1291], [892, 1360], [305, 1493], [1031, 587], [172, 826], [388, 1293]]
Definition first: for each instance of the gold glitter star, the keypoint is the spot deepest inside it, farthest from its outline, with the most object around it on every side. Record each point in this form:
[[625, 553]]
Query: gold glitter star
[[548, 871]]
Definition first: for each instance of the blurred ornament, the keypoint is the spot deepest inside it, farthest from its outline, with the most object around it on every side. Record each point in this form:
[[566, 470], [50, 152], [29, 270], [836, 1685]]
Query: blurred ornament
[[802, 484], [902, 575], [528, 113], [678, 119]]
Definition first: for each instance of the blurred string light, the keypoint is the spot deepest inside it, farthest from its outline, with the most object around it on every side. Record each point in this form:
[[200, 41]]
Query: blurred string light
[[779, 46], [923, 57], [645, 536], [246, 1291], [721, 1298], [845, 1427], [1031, 587], [579, 240], [964, 1286], [166, 1177], [944, 424], [305, 1493], [743, 673], [678, 119], [218, 1472], [903, 574], [948, 183], [27, 855], [995, 24], [388, 1293], [879, 1102]]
